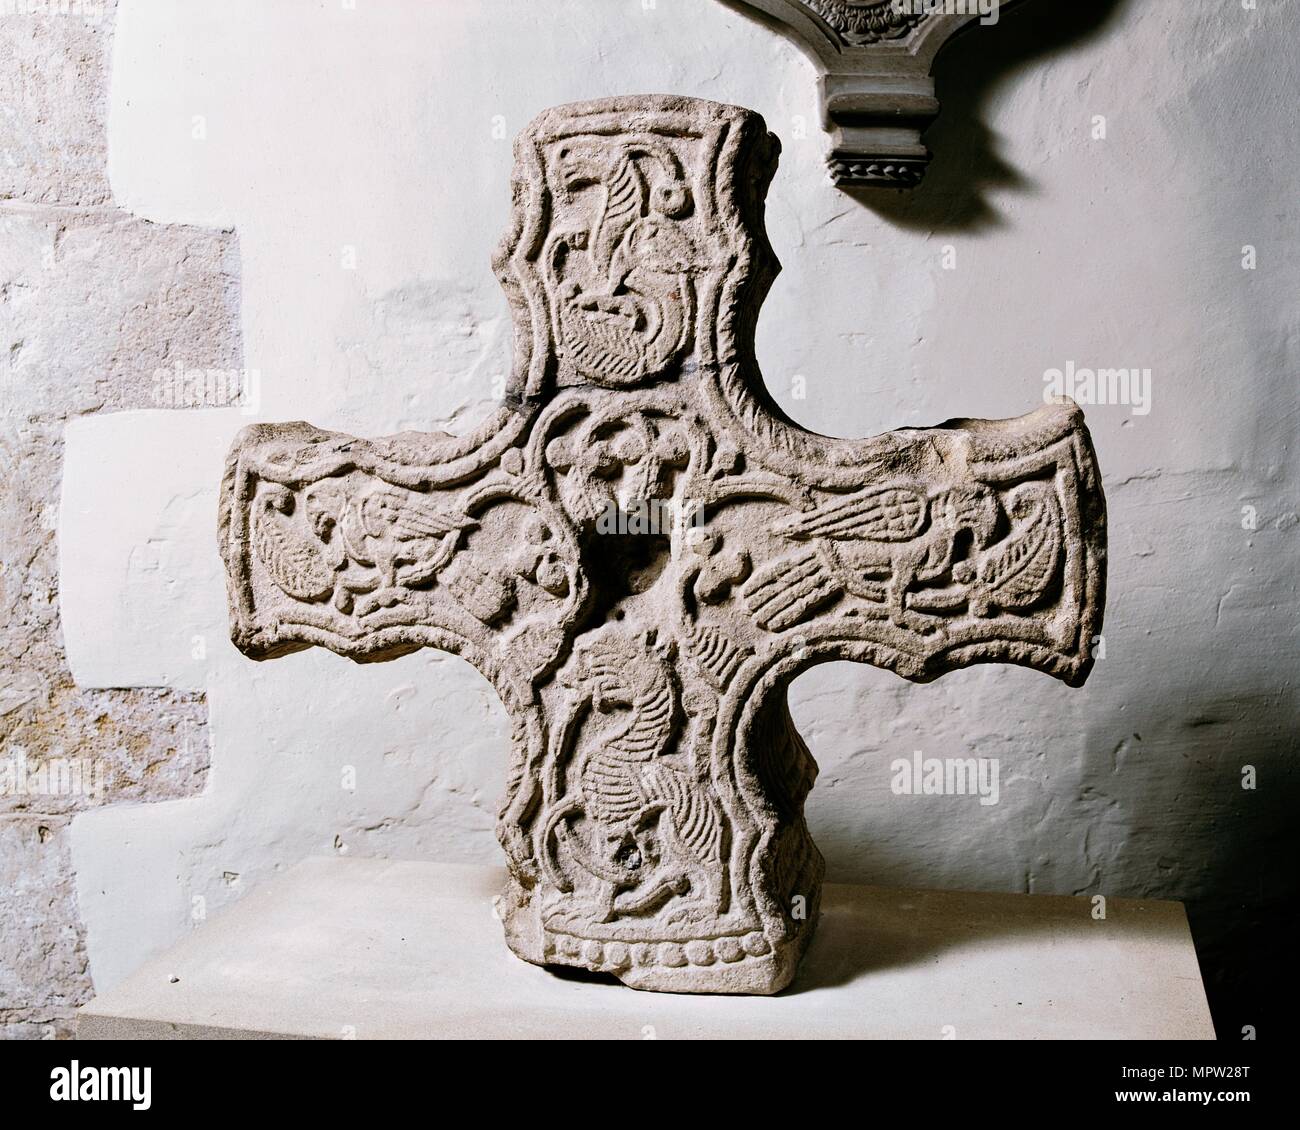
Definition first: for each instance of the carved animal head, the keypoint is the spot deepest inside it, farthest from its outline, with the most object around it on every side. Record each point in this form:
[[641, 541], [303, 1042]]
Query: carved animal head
[[277, 498], [324, 505], [659, 246], [618, 672], [973, 507]]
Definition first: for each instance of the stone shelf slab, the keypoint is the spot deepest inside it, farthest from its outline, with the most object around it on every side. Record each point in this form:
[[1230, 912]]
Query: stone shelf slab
[[375, 949]]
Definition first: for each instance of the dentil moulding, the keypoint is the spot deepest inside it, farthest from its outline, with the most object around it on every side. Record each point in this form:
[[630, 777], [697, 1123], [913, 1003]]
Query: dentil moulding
[[639, 552]]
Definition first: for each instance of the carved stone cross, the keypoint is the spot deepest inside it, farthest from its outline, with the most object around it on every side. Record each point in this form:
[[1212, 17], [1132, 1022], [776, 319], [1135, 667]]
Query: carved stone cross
[[653, 818]]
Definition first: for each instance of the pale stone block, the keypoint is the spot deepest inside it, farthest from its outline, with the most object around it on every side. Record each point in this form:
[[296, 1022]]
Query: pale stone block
[[42, 955], [54, 65], [103, 310], [376, 949]]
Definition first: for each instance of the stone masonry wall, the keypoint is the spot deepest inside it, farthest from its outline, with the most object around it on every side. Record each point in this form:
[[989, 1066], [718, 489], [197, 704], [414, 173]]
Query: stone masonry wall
[[93, 301]]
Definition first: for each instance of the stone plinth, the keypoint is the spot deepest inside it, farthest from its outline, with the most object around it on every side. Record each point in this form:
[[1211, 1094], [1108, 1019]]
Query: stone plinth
[[364, 949]]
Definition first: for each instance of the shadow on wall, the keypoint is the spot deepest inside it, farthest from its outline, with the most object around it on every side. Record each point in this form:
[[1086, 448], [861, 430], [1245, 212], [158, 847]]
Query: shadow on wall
[[1198, 811], [966, 165], [1242, 902]]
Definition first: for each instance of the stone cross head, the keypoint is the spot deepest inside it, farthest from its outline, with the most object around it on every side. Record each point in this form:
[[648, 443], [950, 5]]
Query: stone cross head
[[640, 552]]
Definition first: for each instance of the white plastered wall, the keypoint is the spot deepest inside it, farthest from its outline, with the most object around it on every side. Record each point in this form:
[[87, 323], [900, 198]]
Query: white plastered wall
[[380, 135]]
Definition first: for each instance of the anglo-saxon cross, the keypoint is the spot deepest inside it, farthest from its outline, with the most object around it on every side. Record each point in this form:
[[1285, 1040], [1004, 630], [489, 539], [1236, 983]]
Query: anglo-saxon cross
[[653, 818]]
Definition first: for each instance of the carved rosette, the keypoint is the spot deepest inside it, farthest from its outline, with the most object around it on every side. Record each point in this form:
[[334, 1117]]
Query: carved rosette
[[876, 59], [859, 22], [640, 555]]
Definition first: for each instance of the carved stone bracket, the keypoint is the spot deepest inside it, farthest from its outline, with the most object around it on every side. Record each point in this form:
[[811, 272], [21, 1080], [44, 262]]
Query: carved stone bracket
[[640, 552], [876, 59]]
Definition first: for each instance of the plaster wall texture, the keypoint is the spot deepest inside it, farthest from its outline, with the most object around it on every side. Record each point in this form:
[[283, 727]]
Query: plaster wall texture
[[363, 156]]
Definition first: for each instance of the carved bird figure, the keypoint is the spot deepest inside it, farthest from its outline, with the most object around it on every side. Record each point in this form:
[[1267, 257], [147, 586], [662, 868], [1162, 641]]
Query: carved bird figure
[[398, 533], [616, 330], [875, 544], [1020, 570]]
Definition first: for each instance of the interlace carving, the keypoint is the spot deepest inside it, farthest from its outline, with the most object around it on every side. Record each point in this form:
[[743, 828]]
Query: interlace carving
[[640, 552]]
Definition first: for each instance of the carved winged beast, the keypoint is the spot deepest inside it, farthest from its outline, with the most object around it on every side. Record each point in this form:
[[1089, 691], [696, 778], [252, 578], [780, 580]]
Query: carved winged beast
[[630, 795]]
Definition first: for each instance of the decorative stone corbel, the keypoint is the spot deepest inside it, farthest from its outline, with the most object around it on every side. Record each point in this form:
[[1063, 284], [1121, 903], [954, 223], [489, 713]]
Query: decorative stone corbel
[[877, 84]]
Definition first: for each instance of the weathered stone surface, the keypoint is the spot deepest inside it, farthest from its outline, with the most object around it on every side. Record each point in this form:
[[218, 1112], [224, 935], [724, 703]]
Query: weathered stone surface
[[54, 84], [639, 553], [43, 974], [101, 310]]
